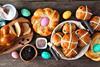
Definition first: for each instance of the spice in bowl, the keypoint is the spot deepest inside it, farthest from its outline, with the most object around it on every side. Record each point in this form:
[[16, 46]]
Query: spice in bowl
[[28, 53], [41, 43]]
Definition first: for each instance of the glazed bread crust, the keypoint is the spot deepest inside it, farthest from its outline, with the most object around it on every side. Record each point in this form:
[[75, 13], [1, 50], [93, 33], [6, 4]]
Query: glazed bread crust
[[90, 53], [53, 16]]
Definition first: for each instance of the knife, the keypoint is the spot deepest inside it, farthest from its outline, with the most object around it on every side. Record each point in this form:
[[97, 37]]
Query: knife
[[88, 26]]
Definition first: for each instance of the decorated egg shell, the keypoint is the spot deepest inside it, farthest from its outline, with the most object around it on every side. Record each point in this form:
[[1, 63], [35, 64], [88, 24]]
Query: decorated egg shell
[[2, 22], [25, 12], [67, 14], [96, 48], [45, 55], [15, 55], [44, 21]]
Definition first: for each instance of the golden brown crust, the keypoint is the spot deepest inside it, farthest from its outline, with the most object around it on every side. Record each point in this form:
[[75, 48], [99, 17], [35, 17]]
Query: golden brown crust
[[72, 39], [56, 38], [66, 41], [83, 13], [6, 38], [69, 52], [95, 23], [12, 31], [84, 37], [69, 44], [53, 16], [90, 53], [66, 28]]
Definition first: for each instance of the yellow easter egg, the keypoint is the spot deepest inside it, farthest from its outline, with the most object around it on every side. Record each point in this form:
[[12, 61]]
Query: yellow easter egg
[[67, 14]]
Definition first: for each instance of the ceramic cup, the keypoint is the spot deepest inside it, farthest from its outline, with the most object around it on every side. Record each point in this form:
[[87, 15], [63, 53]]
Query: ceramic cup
[[28, 53], [41, 43], [62, 56], [8, 12]]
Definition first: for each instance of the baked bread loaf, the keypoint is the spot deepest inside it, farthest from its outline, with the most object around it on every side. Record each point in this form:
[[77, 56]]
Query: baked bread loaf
[[94, 51], [44, 21], [83, 13], [56, 38], [11, 33], [6, 38], [95, 23], [68, 27], [84, 37], [69, 44]]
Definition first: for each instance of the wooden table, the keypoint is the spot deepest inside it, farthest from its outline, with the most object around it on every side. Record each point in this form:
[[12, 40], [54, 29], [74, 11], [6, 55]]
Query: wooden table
[[7, 61]]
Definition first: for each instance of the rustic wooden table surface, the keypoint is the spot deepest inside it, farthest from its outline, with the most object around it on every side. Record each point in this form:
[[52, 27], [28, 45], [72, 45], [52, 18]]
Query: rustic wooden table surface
[[7, 61]]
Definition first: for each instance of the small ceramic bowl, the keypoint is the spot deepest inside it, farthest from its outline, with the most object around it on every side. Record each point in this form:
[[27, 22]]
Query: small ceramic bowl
[[12, 12], [58, 28], [41, 43], [28, 53]]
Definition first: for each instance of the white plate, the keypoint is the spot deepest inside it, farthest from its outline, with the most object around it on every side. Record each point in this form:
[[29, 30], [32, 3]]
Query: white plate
[[57, 28]]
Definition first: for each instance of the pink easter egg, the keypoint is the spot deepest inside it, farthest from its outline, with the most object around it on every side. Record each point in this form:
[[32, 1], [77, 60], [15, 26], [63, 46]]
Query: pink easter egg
[[15, 55], [44, 21]]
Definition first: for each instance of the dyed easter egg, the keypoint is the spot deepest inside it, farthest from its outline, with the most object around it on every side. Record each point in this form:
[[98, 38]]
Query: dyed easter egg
[[2, 23], [15, 55], [45, 55], [96, 48], [67, 14], [25, 12], [44, 21]]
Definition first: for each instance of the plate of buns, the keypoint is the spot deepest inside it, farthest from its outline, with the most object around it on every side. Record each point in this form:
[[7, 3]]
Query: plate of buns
[[71, 40]]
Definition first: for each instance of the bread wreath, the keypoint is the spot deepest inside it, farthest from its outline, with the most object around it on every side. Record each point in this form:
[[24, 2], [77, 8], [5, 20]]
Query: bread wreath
[[90, 53], [53, 16]]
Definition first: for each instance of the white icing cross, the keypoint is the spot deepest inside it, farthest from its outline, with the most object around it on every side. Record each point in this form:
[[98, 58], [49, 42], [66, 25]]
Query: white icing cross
[[70, 40], [70, 52], [59, 35], [98, 24], [82, 37], [86, 12], [70, 36], [63, 41]]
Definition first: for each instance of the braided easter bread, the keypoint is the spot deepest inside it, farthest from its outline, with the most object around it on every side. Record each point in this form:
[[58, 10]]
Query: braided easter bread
[[94, 51], [44, 21]]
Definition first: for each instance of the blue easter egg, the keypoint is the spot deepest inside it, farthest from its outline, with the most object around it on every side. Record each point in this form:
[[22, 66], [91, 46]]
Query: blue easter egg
[[2, 23], [45, 55], [96, 48], [25, 12]]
